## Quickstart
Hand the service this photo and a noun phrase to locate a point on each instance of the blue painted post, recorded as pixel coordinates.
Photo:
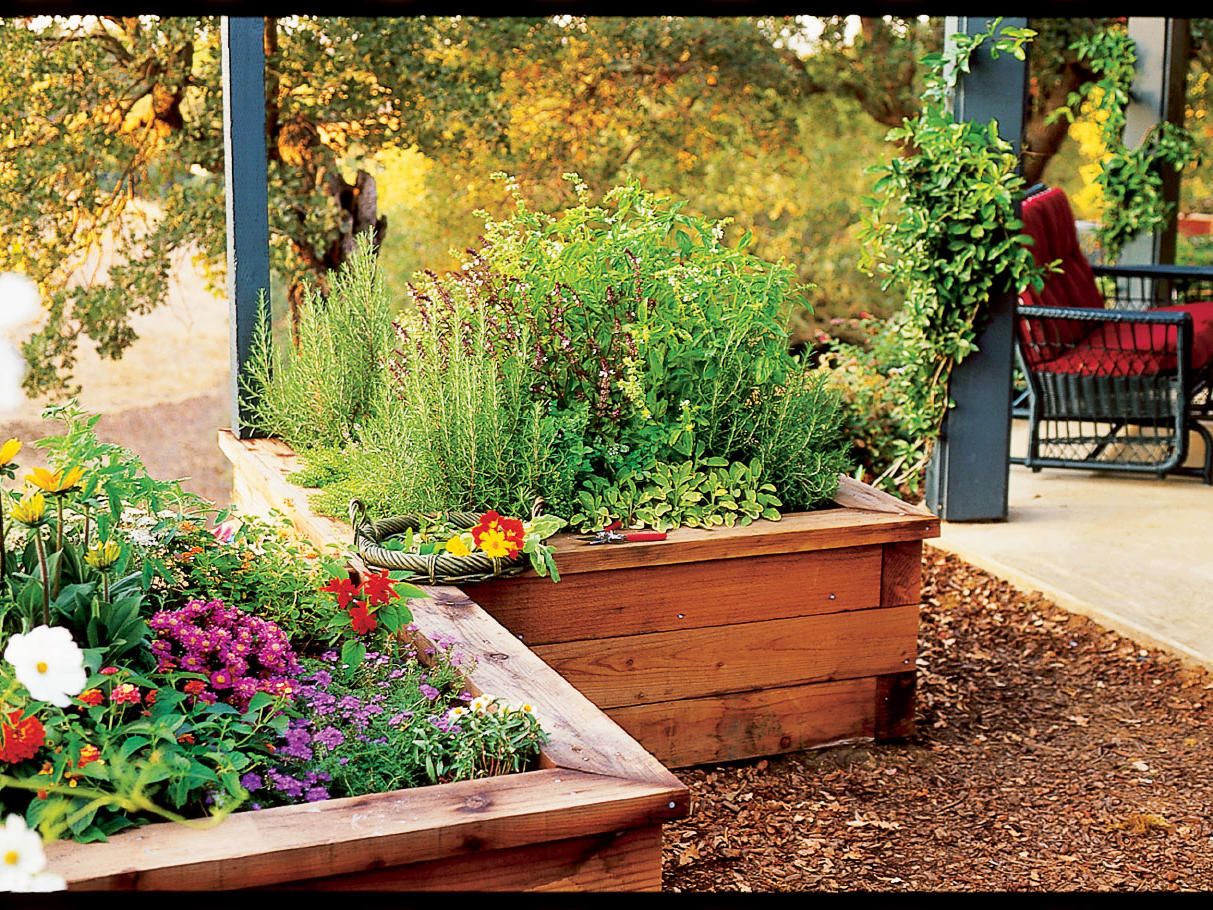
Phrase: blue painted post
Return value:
(967, 475)
(245, 190)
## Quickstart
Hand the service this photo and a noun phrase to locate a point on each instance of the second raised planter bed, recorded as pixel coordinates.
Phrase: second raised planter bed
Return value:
(589, 818)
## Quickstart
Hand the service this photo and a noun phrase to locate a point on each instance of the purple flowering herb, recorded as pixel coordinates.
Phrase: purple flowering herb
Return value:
(251, 781)
(428, 691)
(315, 794)
(330, 737)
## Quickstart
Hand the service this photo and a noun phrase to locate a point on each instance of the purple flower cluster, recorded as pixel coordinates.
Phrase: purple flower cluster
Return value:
(309, 786)
(240, 653)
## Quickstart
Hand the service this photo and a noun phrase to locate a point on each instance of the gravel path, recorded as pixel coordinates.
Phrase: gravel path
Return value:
(1051, 755)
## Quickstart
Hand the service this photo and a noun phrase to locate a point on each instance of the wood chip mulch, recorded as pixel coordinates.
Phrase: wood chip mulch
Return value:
(1050, 755)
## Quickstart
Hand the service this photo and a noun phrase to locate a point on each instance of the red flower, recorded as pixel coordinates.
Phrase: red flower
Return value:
(91, 696)
(194, 686)
(109, 671)
(499, 537)
(150, 698)
(379, 589)
(186, 738)
(127, 693)
(20, 738)
(88, 753)
(362, 620)
(343, 589)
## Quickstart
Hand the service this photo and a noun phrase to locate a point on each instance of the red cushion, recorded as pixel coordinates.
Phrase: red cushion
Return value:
(1049, 221)
(1129, 349)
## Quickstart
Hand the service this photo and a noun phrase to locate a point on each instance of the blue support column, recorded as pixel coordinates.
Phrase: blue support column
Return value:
(245, 188)
(967, 476)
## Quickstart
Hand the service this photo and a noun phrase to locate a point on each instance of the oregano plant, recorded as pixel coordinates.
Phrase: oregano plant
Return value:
(942, 226)
(1130, 180)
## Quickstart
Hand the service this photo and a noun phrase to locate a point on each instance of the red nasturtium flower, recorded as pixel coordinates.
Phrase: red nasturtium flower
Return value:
(499, 537)
(343, 589)
(378, 588)
(20, 738)
(361, 620)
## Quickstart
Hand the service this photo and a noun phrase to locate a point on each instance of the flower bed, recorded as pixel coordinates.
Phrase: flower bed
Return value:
(157, 670)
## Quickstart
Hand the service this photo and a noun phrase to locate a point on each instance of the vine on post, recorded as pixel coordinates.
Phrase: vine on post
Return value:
(1130, 181)
(942, 226)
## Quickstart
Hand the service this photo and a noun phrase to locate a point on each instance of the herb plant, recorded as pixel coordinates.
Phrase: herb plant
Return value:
(578, 359)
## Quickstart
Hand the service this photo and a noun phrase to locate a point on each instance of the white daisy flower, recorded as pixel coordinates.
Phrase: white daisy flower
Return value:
(22, 861)
(48, 663)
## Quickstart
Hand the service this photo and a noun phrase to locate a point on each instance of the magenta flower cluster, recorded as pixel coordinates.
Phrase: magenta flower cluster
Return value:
(239, 653)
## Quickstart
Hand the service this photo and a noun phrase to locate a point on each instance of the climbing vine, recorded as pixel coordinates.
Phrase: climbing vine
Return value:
(942, 226)
(1130, 181)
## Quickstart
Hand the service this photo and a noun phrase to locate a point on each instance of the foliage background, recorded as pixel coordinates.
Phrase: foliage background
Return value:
(111, 129)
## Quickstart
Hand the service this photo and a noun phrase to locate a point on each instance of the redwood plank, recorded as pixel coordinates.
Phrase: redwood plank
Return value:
(663, 666)
(632, 601)
(895, 698)
(901, 574)
(612, 861)
(355, 834)
(749, 724)
(581, 736)
(797, 532)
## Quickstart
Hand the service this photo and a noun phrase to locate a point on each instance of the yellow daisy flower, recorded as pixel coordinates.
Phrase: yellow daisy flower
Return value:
(57, 483)
(31, 510)
(9, 451)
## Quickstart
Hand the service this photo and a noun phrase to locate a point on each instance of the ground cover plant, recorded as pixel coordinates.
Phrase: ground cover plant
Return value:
(613, 361)
(158, 665)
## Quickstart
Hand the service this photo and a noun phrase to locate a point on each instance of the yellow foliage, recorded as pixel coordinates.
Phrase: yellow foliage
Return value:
(1088, 202)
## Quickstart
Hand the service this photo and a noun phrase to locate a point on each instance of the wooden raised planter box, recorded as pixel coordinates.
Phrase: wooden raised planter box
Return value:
(713, 645)
(589, 819)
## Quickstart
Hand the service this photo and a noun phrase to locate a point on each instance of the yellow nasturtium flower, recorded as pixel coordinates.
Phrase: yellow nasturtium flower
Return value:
(457, 547)
(31, 510)
(103, 555)
(9, 451)
(56, 483)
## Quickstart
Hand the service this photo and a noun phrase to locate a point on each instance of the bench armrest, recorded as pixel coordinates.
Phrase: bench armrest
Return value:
(1142, 287)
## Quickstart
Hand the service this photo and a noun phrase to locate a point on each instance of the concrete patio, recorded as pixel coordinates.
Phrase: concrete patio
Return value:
(1130, 551)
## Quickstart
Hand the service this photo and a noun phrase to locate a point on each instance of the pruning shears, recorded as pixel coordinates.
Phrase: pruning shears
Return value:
(612, 534)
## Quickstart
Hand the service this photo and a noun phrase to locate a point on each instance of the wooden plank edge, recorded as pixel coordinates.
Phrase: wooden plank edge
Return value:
(581, 736)
(611, 861)
(589, 741)
(355, 834)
